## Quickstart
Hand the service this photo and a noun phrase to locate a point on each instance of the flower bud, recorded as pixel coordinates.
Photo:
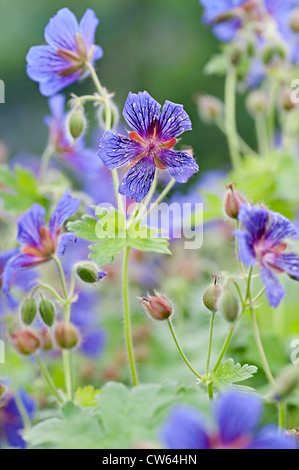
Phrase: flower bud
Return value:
(286, 382)
(295, 21)
(158, 307)
(228, 305)
(76, 123)
(47, 312)
(285, 100)
(25, 341)
(28, 311)
(232, 202)
(114, 116)
(209, 108)
(89, 273)
(211, 295)
(46, 342)
(66, 335)
(257, 102)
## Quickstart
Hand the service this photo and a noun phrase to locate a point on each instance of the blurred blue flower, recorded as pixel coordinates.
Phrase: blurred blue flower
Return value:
(262, 243)
(236, 417)
(72, 152)
(11, 422)
(38, 242)
(24, 281)
(70, 46)
(149, 146)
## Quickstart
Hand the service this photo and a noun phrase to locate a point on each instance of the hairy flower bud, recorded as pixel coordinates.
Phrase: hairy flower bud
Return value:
(89, 273)
(211, 295)
(232, 201)
(209, 108)
(28, 311)
(286, 382)
(25, 341)
(47, 312)
(285, 99)
(228, 305)
(76, 123)
(66, 335)
(46, 342)
(158, 307)
(257, 102)
(295, 21)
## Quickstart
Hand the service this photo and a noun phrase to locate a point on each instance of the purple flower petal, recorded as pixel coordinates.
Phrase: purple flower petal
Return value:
(141, 112)
(56, 105)
(274, 290)
(14, 265)
(43, 62)
(93, 343)
(64, 239)
(61, 30)
(173, 121)
(288, 262)
(270, 438)
(116, 150)
(29, 226)
(185, 429)
(280, 228)
(98, 53)
(246, 251)
(254, 219)
(180, 165)
(237, 415)
(88, 26)
(138, 180)
(57, 83)
(66, 207)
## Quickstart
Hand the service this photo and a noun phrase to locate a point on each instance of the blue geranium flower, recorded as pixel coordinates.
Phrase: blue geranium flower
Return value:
(72, 152)
(70, 46)
(38, 242)
(11, 422)
(149, 146)
(24, 281)
(262, 243)
(236, 416)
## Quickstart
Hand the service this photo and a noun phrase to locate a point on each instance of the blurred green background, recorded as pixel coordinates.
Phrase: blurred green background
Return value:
(156, 45)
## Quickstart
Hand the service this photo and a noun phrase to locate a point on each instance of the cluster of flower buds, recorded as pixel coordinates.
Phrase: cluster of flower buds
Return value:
(211, 295)
(29, 309)
(232, 201)
(158, 306)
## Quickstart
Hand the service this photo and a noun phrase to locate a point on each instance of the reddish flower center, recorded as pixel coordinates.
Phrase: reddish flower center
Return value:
(47, 245)
(241, 442)
(152, 147)
(268, 253)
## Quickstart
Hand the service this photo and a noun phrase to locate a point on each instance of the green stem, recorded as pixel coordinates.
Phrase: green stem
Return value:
(262, 134)
(230, 117)
(48, 288)
(45, 159)
(260, 347)
(23, 411)
(61, 275)
(210, 390)
(224, 348)
(282, 415)
(181, 351)
(48, 378)
(242, 145)
(162, 196)
(128, 332)
(210, 342)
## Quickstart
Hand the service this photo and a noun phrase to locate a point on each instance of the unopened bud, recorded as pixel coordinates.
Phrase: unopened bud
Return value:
(211, 295)
(209, 108)
(89, 273)
(25, 341)
(47, 312)
(158, 307)
(257, 102)
(232, 202)
(295, 21)
(228, 305)
(28, 311)
(66, 335)
(286, 382)
(76, 123)
(114, 116)
(46, 342)
(235, 54)
(285, 101)
(273, 51)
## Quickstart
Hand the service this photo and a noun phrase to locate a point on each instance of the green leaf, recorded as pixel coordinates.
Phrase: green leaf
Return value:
(158, 245)
(229, 373)
(84, 228)
(86, 396)
(217, 65)
(103, 253)
(19, 189)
